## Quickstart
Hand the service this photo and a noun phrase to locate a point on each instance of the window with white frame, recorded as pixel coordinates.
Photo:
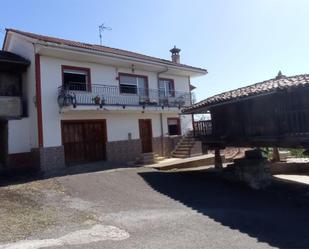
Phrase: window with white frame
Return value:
(77, 79)
(166, 88)
(133, 84)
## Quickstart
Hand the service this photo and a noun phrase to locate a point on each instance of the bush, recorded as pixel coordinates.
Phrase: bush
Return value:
(297, 152)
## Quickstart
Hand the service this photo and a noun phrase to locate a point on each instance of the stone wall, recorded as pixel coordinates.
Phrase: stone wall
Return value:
(196, 150)
(157, 145)
(252, 170)
(123, 151)
(130, 150)
(51, 158)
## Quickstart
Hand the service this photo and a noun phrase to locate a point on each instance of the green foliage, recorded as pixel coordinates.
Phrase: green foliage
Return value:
(297, 152)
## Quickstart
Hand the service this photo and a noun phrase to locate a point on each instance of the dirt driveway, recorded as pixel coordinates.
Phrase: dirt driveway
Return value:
(144, 208)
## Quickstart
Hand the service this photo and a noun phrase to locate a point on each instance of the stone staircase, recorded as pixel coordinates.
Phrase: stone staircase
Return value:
(149, 158)
(188, 146)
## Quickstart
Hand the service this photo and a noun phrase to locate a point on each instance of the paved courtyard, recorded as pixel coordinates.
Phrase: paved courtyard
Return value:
(145, 208)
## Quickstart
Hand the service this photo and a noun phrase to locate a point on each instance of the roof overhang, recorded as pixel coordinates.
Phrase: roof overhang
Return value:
(79, 54)
(83, 54)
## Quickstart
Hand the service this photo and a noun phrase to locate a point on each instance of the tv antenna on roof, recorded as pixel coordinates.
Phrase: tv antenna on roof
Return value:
(102, 27)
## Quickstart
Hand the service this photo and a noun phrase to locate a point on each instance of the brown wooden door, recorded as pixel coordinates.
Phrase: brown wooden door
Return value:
(84, 141)
(145, 131)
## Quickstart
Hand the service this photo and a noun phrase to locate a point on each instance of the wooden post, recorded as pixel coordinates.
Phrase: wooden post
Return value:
(193, 125)
(218, 159)
(276, 155)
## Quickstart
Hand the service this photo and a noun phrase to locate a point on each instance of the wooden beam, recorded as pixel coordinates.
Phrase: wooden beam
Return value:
(218, 159)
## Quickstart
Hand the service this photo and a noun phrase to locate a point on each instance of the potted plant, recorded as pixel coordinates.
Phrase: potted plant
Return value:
(97, 100)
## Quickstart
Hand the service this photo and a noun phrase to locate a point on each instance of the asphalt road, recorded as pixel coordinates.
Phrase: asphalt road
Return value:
(193, 210)
(187, 210)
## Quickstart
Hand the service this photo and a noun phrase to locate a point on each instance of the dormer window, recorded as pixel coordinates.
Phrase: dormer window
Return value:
(76, 78)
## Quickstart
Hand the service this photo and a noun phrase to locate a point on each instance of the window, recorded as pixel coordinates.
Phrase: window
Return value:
(77, 79)
(173, 126)
(133, 84)
(166, 88)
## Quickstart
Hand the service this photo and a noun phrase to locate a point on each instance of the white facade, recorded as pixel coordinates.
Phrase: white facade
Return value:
(122, 124)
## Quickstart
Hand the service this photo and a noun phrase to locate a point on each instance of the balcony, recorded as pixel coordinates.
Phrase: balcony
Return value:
(75, 94)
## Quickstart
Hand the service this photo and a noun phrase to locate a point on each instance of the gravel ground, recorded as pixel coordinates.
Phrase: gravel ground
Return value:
(144, 208)
(37, 209)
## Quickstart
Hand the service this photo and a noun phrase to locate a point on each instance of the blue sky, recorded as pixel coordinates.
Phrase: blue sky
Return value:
(239, 41)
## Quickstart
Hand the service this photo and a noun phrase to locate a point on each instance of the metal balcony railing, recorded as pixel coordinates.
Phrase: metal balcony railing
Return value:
(123, 95)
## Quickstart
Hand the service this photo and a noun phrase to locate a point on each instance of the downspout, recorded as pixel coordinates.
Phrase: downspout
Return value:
(192, 115)
(161, 115)
(38, 93)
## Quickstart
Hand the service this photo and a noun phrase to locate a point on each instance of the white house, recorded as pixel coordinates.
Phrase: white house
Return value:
(89, 102)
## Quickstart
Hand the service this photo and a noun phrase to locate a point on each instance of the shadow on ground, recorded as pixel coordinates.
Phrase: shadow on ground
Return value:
(17, 177)
(278, 216)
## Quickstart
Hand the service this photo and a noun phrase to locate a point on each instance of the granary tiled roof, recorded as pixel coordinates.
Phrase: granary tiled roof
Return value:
(279, 83)
(100, 48)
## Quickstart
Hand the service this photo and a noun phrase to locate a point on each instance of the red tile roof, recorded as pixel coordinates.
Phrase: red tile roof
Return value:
(100, 48)
(279, 83)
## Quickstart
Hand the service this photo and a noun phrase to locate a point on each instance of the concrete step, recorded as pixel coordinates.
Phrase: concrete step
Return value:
(187, 163)
(149, 162)
(187, 141)
(184, 146)
(148, 156)
(182, 151)
(181, 155)
(159, 158)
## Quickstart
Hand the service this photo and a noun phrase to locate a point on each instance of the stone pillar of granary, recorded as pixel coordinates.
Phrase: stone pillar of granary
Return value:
(276, 155)
(218, 159)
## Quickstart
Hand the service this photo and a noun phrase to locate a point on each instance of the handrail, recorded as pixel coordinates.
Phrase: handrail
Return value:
(84, 94)
(202, 128)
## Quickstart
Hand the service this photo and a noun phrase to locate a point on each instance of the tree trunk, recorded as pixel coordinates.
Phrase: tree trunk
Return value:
(276, 155)
(218, 159)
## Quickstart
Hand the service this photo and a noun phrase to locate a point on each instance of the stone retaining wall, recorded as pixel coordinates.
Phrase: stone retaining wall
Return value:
(252, 170)
(123, 151)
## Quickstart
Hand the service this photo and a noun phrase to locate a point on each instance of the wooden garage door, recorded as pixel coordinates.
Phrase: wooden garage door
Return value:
(84, 141)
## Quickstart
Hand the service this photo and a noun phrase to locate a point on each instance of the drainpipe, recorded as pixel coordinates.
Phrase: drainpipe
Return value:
(161, 114)
(192, 115)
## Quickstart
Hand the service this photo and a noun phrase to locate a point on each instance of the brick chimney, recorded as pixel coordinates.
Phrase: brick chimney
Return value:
(175, 54)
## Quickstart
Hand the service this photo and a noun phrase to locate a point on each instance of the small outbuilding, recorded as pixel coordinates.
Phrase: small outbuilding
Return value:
(272, 113)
